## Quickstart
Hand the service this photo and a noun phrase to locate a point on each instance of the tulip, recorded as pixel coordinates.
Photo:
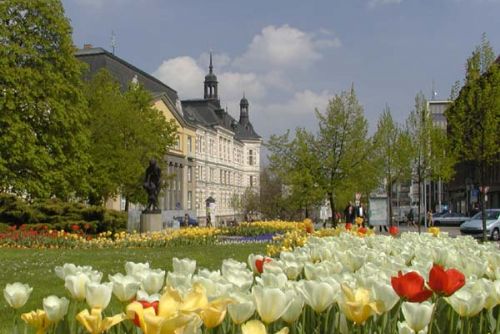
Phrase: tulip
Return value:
(179, 281)
(292, 269)
(410, 286)
(257, 327)
(270, 303)
(357, 305)
(184, 266)
(445, 282)
(404, 328)
(318, 295)
(393, 230)
(98, 295)
(143, 295)
(37, 319)
(95, 324)
(230, 265)
(272, 280)
(17, 294)
(242, 307)
(132, 268)
(257, 262)
(153, 280)
(348, 226)
(468, 301)
(417, 315)
(124, 287)
(384, 295)
(434, 231)
(55, 307)
(214, 312)
(241, 279)
(76, 285)
(294, 310)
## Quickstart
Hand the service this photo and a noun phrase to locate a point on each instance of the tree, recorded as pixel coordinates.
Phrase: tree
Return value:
(393, 149)
(43, 141)
(126, 133)
(341, 147)
(272, 203)
(295, 163)
(474, 117)
(430, 158)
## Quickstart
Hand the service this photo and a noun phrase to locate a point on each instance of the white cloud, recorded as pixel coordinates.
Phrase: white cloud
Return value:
(233, 84)
(302, 102)
(182, 74)
(283, 47)
(375, 3)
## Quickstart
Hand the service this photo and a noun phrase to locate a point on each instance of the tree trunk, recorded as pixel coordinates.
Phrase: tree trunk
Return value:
(389, 198)
(126, 204)
(332, 208)
(419, 200)
(483, 199)
(307, 211)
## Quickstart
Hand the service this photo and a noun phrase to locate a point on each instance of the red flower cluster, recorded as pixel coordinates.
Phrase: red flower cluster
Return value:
(348, 226)
(411, 287)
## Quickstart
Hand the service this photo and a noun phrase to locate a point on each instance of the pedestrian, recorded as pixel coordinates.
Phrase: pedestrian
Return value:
(349, 213)
(430, 222)
(411, 218)
(360, 212)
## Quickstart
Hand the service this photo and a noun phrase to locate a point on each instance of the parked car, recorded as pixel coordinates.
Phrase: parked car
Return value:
(474, 226)
(191, 221)
(450, 218)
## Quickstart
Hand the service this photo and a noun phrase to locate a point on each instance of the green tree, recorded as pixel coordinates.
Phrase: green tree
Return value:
(342, 148)
(294, 162)
(393, 149)
(431, 160)
(126, 133)
(474, 117)
(43, 141)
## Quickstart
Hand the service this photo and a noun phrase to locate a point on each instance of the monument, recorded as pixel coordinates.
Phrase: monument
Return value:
(151, 215)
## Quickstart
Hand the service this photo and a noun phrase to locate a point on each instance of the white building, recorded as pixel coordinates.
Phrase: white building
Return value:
(227, 153)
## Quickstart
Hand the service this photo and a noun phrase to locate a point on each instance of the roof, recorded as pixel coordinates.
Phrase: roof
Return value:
(124, 72)
(208, 113)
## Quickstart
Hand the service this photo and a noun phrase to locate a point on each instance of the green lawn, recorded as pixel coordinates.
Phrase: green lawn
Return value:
(36, 267)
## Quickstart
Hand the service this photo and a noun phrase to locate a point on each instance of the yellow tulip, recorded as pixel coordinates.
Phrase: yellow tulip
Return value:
(434, 230)
(257, 327)
(37, 319)
(356, 305)
(95, 324)
(214, 313)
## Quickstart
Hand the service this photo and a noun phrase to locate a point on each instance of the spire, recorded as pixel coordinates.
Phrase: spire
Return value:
(211, 67)
(244, 110)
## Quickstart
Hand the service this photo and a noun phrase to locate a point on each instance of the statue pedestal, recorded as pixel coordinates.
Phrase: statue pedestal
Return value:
(151, 222)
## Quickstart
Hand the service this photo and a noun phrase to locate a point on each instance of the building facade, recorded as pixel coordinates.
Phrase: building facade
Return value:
(227, 153)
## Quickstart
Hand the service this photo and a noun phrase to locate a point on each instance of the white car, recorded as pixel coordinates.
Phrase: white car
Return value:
(474, 226)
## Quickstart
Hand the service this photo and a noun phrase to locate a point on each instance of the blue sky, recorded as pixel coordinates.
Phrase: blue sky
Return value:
(289, 56)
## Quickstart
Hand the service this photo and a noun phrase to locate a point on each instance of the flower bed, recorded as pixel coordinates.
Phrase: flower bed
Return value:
(343, 283)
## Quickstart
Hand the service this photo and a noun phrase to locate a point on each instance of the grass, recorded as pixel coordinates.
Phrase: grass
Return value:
(36, 267)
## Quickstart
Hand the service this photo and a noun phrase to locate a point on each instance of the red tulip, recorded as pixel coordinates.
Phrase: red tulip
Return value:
(259, 263)
(348, 226)
(146, 305)
(445, 282)
(362, 230)
(410, 286)
(393, 230)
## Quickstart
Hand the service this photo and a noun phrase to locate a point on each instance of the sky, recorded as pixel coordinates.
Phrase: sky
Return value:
(290, 57)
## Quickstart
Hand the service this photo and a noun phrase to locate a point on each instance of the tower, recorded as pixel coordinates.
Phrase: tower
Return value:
(244, 110)
(210, 83)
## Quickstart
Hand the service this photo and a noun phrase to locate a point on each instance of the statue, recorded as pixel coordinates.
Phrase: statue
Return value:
(152, 186)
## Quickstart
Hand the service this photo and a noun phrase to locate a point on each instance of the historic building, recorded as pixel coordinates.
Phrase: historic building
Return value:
(216, 156)
(177, 197)
(227, 152)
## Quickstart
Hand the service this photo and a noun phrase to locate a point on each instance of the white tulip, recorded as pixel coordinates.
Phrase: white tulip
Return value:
(124, 287)
(272, 280)
(144, 296)
(71, 269)
(76, 285)
(315, 271)
(184, 266)
(55, 307)
(467, 301)
(242, 308)
(98, 295)
(230, 265)
(132, 268)
(292, 269)
(318, 295)
(384, 294)
(213, 289)
(417, 315)
(153, 280)
(294, 310)
(212, 275)
(270, 303)
(17, 294)
(404, 328)
(273, 267)
(65, 270)
(241, 279)
(179, 281)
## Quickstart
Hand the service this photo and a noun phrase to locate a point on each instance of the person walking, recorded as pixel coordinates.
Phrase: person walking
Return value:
(349, 213)
(411, 219)
(430, 222)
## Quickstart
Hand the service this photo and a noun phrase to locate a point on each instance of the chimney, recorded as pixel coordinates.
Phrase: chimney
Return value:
(87, 46)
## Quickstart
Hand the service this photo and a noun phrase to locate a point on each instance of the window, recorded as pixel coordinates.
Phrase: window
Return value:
(190, 174)
(221, 179)
(250, 157)
(190, 144)
(251, 181)
(190, 200)
(177, 144)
